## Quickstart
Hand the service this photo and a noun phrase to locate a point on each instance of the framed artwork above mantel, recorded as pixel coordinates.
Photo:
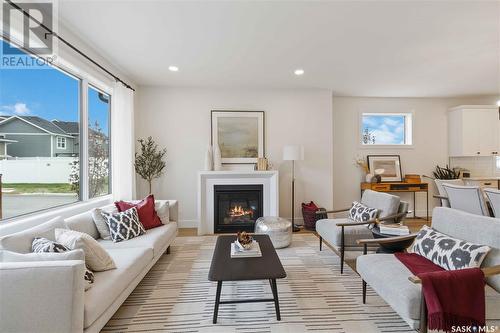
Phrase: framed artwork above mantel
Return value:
(239, 135)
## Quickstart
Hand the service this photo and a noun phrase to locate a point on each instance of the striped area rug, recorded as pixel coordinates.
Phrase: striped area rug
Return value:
(176, 296)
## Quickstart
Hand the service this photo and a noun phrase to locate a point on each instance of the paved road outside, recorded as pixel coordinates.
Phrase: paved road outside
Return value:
(15, 204)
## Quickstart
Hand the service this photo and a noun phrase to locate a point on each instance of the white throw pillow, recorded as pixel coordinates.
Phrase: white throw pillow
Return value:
(96, 257)
(163, 210)
(100, 223)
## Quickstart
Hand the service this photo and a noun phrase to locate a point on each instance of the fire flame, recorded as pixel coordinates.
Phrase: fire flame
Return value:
(240, 211)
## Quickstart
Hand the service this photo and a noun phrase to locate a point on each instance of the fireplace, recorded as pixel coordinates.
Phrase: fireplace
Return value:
(237, 207)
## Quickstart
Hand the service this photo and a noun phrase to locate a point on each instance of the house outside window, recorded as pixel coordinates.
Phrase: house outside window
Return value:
(386, 129)
(61, 142)
(41, 139)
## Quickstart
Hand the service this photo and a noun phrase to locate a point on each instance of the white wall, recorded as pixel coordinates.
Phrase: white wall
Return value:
(429, 137)
(179, 119)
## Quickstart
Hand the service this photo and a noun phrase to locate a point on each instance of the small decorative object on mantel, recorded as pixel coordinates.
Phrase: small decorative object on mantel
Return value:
(149, 164)
(217, 158)
(209, 159)
(387, 166)
(262, 164)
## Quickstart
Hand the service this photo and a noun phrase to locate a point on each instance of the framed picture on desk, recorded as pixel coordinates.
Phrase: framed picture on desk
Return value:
(387, 166)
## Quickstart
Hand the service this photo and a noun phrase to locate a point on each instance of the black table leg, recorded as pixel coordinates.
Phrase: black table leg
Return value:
(217, 301)
(274, 288)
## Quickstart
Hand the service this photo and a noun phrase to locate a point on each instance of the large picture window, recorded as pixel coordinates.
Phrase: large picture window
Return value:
(41, 141)
(98, 143)
(385, 129)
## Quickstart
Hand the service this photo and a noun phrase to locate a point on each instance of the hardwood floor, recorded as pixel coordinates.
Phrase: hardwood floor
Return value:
(413, 224)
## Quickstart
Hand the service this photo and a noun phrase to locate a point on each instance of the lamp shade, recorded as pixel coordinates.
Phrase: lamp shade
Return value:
(293, 153)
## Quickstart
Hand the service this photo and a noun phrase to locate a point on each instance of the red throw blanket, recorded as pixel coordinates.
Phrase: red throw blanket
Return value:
(453, 298)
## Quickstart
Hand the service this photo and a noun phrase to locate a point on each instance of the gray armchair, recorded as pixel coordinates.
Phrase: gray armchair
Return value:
(469, 199)
(493, 196)
(341, 234)
(392, 281)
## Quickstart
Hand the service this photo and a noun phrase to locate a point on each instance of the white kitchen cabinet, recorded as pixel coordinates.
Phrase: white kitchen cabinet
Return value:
(474, 130)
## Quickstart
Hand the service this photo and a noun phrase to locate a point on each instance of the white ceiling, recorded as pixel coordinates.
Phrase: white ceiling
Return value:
(397, 49)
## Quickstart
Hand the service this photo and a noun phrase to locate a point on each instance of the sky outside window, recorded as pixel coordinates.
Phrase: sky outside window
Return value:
(384, 129)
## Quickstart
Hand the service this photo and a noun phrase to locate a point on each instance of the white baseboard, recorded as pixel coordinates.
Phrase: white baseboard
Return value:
(187, 224)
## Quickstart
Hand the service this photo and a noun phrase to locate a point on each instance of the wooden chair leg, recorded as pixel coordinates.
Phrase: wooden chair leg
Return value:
(320, 243)
(364, 292)
(342, 250)
(423, 315)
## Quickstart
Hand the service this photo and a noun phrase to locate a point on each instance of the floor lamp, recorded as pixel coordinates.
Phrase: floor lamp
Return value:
(293, 153)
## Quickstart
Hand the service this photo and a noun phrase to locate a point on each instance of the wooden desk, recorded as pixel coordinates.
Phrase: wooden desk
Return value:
(401, 187)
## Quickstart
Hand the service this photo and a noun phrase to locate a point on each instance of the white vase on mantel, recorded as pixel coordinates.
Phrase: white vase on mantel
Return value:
(369, 177)
(217, 158)
(209, 159)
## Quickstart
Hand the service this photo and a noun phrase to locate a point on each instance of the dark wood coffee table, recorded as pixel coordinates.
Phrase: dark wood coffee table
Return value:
(225, 268)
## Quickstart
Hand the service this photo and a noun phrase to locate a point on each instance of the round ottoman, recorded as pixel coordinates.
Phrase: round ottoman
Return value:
(277, 228)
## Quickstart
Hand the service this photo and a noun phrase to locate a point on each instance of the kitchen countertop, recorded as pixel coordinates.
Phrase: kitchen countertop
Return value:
(482, 178)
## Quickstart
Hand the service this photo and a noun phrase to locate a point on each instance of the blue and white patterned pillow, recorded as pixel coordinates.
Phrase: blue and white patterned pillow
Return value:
(362, 213)
(124, 225)
(448, 252)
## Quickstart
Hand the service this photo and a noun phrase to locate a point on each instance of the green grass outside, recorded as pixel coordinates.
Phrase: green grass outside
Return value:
(37, 188)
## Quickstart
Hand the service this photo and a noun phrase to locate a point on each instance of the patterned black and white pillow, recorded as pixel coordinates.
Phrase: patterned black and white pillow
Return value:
(448, 252)
(124, 225)
(40, 244)
(44, 245)
(362, 213)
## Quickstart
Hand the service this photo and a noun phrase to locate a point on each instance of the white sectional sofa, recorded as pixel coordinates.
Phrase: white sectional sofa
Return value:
(49, 296)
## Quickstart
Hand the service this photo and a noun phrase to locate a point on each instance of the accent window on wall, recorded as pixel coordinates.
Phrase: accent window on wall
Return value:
(386, 129)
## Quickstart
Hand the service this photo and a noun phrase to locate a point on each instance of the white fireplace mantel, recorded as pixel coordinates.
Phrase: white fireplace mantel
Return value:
(207, 180)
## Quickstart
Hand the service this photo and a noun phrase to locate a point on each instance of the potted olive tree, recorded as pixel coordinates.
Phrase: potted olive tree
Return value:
(149, 163)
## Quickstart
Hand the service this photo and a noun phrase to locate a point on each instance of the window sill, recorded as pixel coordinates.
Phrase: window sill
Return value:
(22, 222)
(387, 147)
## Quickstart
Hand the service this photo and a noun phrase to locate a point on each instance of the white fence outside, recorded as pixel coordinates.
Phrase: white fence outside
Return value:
(44, 170)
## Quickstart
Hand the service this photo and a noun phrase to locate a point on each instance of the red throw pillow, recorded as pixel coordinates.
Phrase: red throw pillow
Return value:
(146, 210)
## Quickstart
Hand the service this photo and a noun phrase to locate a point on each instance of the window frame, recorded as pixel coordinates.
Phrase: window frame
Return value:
(61, 145)
(408, 132)
(85, 80)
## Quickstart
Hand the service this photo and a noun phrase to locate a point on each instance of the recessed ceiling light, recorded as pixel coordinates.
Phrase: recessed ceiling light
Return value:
(299, 71)
(173, 68)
